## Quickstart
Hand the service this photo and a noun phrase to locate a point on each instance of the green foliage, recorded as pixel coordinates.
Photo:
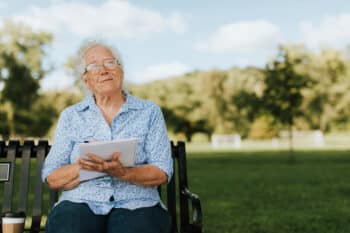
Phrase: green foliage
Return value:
(263, 127)
(4, 126)
(203, 101)
(301, 88)
(19, 81)
(24, 46)
(282, 95)
(327, 99)
(181, 102)
(58, 100)
(21, 54)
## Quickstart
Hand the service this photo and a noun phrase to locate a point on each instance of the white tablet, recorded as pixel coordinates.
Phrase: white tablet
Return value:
(105, 150)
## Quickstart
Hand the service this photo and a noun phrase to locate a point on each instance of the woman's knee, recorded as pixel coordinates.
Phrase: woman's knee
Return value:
(149, 219)
(69, 217)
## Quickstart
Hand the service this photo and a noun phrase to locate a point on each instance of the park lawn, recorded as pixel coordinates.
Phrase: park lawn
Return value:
(258, 192)
(261, 192)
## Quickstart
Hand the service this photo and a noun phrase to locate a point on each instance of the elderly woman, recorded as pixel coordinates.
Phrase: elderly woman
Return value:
(127, 199)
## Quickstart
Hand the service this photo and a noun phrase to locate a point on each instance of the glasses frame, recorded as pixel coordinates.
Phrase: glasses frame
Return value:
(118, 64)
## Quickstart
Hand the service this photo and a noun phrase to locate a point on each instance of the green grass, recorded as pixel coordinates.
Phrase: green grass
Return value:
(257, 192)
(261, 192)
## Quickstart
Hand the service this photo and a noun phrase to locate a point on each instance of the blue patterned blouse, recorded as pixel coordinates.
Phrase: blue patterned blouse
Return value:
(84, 122)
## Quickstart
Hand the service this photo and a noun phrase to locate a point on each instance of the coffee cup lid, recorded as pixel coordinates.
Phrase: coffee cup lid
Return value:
(14, 215)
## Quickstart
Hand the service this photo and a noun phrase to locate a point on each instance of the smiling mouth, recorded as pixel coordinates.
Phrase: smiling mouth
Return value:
(105, 80)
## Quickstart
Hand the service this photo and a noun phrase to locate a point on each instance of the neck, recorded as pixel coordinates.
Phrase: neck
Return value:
(114, 100)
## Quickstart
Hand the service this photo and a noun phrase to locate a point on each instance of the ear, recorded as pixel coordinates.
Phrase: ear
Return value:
(85, 80)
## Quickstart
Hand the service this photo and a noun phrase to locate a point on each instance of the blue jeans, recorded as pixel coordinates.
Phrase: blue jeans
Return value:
(69, 217)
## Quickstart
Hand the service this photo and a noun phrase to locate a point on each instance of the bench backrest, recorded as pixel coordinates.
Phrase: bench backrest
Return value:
(25, 186)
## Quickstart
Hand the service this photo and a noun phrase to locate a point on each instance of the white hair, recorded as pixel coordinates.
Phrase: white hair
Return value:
(87, 45)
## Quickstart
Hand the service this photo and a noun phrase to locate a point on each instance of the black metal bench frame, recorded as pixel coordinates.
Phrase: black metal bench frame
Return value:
(14, 150)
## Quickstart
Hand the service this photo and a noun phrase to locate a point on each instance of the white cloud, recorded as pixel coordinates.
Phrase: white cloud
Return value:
(159, 71)
(112, 19)
(57, 80)
(244, 37)
(177, 23)
(332, 31)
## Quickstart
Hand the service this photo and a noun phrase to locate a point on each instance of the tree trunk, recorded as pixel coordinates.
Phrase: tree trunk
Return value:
(188, 136)
(290, 139)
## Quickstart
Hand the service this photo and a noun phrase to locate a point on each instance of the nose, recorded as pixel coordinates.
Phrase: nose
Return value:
(103, 70)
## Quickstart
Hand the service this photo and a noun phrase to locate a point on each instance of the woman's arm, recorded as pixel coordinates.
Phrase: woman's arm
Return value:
(64, 178)
(57, 170)
(145, 175)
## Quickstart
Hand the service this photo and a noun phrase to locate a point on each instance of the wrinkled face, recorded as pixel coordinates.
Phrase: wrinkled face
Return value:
(104, 75)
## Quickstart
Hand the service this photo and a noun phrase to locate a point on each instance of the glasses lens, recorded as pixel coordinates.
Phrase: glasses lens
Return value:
(92, 68)
(110, 64)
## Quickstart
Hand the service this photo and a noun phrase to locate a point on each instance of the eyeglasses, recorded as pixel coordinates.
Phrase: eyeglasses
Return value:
(109, 64)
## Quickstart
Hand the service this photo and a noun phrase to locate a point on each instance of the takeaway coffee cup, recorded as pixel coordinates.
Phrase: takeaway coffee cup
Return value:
(13, 222)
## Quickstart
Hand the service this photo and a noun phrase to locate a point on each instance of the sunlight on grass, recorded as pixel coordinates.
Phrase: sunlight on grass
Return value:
(250, 191)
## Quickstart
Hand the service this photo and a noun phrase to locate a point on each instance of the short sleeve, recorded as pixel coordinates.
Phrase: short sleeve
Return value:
(60, 151)
(157, 143)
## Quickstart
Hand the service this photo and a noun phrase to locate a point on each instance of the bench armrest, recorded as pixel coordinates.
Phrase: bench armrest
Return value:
(196, 209)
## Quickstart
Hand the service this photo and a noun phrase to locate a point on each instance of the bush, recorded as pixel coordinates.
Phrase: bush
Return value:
(263, 128)
(200, 138)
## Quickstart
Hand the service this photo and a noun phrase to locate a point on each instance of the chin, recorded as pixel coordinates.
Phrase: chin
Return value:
(109, 90)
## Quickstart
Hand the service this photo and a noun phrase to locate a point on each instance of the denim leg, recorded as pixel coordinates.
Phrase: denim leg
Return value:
(69, 217)
(143, 220)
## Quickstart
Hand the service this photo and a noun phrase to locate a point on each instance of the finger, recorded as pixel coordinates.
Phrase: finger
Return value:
(80, 162)
(116, 156)
(105, 166)
(88, 165)
(87, 162)
(110, 165)
(97, 168)
(95, 158)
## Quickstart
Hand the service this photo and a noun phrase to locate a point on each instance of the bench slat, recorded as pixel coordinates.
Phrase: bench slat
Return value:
(8, 186)
(2, 149)
(38, 191)
(24, 176)
(182, 170)
(171, 193)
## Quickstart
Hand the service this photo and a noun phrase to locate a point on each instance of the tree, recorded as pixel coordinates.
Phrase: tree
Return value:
(21, 58)
(4, 126)
(180, 104)
(328, 96)
(282, 95)
(179, 124)
(311, 86)
(246, 91)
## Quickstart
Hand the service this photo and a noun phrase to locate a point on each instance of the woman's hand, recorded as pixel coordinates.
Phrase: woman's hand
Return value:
(112, 167)
(145, 175)
(65, 177)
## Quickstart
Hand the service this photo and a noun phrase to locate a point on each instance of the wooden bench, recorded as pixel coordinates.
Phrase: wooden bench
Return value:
(23, 190)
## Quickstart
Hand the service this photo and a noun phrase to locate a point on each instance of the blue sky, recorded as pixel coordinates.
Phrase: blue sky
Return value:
(159, 39)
